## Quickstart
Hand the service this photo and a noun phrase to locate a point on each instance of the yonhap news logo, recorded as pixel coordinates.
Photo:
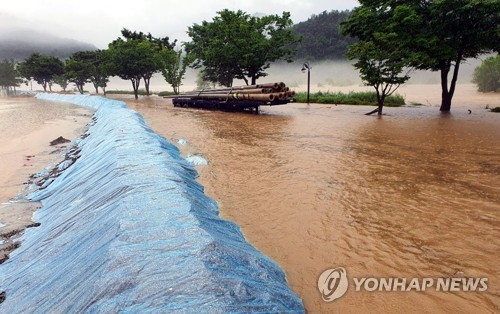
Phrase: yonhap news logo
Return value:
(333, 284)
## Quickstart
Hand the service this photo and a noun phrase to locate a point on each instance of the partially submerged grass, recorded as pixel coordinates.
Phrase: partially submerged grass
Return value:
(141, 92)
(351, 98)
(126, 92)
(166, 93)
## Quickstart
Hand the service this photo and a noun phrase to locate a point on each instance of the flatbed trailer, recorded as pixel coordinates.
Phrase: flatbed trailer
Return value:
(236, 98)
(225, 105)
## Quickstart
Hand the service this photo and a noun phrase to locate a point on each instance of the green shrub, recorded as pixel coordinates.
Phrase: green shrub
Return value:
(496, 109)
(166, 93)
(487, 75)
(127, 92)
(352, 98)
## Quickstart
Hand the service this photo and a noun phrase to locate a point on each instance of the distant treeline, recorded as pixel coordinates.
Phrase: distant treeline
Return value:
(322, 39)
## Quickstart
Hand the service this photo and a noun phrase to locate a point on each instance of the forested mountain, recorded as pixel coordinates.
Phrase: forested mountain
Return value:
(19, 43)
(322, 39)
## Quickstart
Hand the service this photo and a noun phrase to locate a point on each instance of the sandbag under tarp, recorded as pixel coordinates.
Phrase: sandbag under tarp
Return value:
(127, 228)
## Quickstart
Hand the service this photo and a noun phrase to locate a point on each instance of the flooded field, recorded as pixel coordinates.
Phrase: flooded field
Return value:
(413, 194)
(27, 126)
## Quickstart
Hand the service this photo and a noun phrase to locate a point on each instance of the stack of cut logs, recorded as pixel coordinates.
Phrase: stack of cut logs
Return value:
(269, 93)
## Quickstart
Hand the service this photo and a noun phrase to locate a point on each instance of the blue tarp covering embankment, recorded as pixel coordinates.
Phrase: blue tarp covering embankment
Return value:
(127, 228)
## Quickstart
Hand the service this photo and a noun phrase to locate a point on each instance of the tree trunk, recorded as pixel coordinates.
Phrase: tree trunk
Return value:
(104, 90)
(146, 84)
(447, 94)
(96, 88)
(380, 107)
(371, 112)
(135, 85)
(378, 110)
(446, 102)
(254, 80)
(44, 86)
(380, 100)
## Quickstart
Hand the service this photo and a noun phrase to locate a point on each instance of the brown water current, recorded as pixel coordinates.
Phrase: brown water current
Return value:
(413, 194)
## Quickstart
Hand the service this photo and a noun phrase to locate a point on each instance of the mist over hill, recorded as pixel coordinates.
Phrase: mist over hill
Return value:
(21, 43)
(321, 37)
(18, 41)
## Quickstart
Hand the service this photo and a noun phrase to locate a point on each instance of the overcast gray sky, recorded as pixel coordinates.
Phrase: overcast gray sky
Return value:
(100, 21)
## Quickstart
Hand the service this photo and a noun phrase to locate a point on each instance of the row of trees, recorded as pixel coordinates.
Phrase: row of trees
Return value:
(233, 46)
(392, 38)
(135, 57)
(396, 36)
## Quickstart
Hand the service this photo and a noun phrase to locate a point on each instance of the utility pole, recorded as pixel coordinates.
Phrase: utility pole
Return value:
(308, 67)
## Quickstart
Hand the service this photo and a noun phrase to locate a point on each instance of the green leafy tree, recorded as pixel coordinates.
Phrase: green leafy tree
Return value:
(79, 69)
(158, 46)
(90, 66)
(99, 76)
(174, 66)
(42, 69)
(136, 57)
(236, 45)
(9, 76)
(450, 31)
(130, 60)
(380, 68)
(24, 73)
(380, 63)
(61, 80)
(487, 75)
(439, 35)
(202, 83)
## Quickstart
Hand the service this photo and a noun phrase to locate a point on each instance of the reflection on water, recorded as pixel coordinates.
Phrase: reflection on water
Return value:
(414, 194)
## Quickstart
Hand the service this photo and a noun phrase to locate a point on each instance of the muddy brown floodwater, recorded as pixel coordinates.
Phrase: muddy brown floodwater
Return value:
(414, 194)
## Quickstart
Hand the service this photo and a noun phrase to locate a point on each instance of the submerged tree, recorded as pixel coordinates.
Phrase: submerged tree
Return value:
(437, 35)
(173, 67)
(449, 32)
(42, 69)
(380, 69)
(381, 63)
(236, 45)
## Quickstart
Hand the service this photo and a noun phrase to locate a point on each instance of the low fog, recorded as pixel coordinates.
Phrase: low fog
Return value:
(325, 76)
